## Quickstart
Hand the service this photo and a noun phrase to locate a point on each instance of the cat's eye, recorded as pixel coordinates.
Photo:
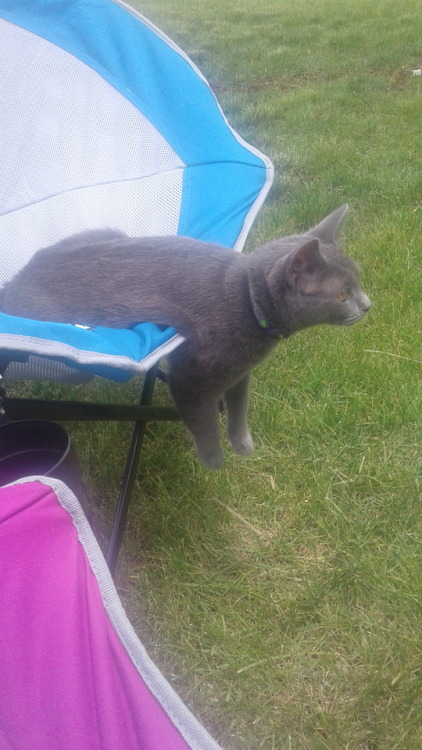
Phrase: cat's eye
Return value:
(342, 296)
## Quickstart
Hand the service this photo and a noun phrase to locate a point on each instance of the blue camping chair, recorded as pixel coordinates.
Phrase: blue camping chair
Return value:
(105, 122)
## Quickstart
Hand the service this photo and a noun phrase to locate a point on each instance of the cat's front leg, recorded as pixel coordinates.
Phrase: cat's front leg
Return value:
(199, 412)
(237, 400)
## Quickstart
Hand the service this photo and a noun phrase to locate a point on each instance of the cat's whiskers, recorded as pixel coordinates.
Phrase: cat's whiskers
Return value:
(353, 319)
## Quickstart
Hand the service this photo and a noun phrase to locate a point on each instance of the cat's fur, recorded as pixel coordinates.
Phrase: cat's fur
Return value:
(232, 308)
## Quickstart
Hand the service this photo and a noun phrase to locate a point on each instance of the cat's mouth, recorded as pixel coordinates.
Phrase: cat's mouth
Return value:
(353, 319)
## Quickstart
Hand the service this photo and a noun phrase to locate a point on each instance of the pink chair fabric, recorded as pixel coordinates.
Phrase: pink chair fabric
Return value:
(73, 674)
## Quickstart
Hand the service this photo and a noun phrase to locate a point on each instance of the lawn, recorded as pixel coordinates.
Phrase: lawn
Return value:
(282, 595)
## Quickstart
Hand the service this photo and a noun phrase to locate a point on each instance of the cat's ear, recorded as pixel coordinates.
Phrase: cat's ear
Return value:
(328, 229)
(306, 260)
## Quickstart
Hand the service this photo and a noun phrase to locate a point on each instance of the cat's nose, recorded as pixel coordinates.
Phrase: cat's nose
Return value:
(366, 303)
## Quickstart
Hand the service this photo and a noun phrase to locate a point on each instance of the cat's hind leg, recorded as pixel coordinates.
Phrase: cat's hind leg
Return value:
(237, 400)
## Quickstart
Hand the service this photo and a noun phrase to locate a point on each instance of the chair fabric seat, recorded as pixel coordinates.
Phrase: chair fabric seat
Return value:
(115, 354)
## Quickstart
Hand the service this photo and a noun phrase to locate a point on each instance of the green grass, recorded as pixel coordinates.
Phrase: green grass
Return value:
(282, 595)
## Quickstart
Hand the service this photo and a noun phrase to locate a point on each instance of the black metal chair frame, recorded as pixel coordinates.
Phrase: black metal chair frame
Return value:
(59, 411)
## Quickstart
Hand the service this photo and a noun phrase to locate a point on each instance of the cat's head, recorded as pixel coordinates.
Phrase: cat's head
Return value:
(314, 282)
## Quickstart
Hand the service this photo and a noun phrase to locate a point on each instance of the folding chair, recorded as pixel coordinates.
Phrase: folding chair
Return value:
(74, 675)
(106, 123)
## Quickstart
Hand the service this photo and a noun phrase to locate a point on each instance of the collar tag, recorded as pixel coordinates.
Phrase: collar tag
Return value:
(264, 325)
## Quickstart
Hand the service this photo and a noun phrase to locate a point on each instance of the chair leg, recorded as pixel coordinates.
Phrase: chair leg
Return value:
(3, 417)
(129, 475)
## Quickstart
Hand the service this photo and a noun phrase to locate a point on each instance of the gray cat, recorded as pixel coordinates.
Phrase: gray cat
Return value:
(232, 308)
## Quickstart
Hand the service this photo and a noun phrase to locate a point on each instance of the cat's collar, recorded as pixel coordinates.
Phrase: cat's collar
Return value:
(266, 327)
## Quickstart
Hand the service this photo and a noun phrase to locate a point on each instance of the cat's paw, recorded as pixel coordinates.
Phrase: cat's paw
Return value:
(211, 459)
(242, 445)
